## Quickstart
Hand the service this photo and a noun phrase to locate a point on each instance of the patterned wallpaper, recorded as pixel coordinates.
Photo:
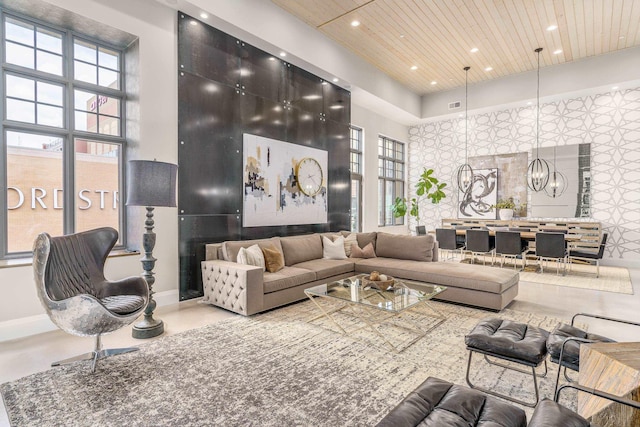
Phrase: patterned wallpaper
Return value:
(609, 121)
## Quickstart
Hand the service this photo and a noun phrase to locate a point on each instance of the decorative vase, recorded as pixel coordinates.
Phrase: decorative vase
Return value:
(505, 214)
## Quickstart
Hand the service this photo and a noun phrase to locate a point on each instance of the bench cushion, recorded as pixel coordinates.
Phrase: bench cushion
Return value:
(286, 278)
(326, 267)
(440, 403)
(549, 413)
(466, 276)
(512, 340)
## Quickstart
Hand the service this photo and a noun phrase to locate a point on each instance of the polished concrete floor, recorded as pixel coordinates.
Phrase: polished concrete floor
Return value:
(33, 354)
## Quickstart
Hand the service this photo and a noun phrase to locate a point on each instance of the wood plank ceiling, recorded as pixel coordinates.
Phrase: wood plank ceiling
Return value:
(437, 36)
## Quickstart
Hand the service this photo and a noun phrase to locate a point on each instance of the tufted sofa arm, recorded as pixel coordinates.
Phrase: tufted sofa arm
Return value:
(235, 287)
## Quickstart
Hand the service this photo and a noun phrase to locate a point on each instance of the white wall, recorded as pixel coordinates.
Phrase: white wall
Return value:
(157, 128)
(373, 125)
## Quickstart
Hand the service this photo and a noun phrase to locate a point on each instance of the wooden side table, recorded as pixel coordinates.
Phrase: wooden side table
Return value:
(613, 368)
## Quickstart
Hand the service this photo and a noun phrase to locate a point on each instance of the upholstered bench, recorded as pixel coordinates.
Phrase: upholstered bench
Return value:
(439, 403)
(510, 341)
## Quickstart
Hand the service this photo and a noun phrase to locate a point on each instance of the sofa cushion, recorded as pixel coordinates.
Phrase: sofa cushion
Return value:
(466, 276)
(252, 256)
(298, 249)
(365, 238)
(273, 259)
(418, 248)
(288, 277)
(327, 267)
(230, 249)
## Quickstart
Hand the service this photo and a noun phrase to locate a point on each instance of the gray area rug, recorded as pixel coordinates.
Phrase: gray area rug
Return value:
(272, 369)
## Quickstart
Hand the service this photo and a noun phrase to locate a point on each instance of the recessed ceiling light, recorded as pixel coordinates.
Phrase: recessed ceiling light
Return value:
(283, 54)
(335, 80)
(355, 23)
(192, 22)
(488, 68)
(434, 83)
(204, 15)
(529, 103)
(459, 115)
(557, 51)
(271, 58)
(552, 27)
(401, 36)
(414, 67)
(621, 37)
(615, 88)
(474, 50)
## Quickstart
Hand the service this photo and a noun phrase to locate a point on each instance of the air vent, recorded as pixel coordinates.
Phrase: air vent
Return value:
(454, 105)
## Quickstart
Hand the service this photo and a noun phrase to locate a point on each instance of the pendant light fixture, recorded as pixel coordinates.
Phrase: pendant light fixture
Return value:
(538, 171)
(557, 181)
(465, 171)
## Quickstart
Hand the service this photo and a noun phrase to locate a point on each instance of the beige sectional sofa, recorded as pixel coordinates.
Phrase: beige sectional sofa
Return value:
(247, 290)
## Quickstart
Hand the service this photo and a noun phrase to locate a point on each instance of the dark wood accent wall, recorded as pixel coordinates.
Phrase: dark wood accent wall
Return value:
(227, 87)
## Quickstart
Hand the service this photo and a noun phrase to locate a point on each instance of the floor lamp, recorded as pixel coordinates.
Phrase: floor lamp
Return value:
(150, 184)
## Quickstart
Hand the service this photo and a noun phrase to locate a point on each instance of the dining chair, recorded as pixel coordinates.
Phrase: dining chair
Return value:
(478, 242)
(590, 256)
(551, 246)
(509, 244)
(447, 241)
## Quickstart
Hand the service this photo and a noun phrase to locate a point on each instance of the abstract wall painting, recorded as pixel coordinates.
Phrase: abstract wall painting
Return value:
(477, 202)
(270, 185)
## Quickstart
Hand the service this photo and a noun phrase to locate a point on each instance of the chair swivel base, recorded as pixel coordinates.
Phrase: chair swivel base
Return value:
(94, 356)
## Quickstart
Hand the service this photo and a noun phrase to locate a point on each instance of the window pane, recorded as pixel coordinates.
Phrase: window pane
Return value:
(97, 185)
(108, 58)
(19, 31)
(84, 51)
(49, 40)
(388, 148)
(85, 72)
(19, 87)
(21, 111)
(399, 171)
(34, 181)
(86, 121)
(50, 94)
(355, 205)
(108, 78)
(50, 116)
(84, 101)
(388, 199)
(381, 202)
(380, 167)
(399, 192)
(19, 55)
(108, 105)
(399, 151)
(49, 62)
(380, 147)
(109, 125)
(388, 165)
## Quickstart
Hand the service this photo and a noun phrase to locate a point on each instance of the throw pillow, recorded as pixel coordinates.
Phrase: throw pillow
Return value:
(251, 256)
(349, 240)
(366, 252)
(273, 259)
(333, 250)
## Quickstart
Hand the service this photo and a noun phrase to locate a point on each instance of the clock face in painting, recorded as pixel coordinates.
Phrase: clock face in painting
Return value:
(309, 176)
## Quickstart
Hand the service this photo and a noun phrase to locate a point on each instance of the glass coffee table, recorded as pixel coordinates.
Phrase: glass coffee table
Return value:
(375, 308)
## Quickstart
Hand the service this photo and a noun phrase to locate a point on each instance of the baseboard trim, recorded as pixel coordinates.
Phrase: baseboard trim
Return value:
(40, 323)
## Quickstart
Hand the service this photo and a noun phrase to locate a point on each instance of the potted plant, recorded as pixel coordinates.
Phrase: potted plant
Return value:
(428, 187)
(505, 208)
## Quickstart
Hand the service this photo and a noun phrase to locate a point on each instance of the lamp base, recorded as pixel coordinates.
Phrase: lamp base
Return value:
(147, 329)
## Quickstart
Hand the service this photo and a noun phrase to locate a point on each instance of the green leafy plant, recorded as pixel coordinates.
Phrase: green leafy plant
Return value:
(505, 204)
(428, 187)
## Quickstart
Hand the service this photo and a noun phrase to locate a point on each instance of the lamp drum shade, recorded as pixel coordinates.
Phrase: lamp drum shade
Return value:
(151, 183)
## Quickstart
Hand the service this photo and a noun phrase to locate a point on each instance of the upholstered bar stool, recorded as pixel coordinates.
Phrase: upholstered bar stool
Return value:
(511, 341)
